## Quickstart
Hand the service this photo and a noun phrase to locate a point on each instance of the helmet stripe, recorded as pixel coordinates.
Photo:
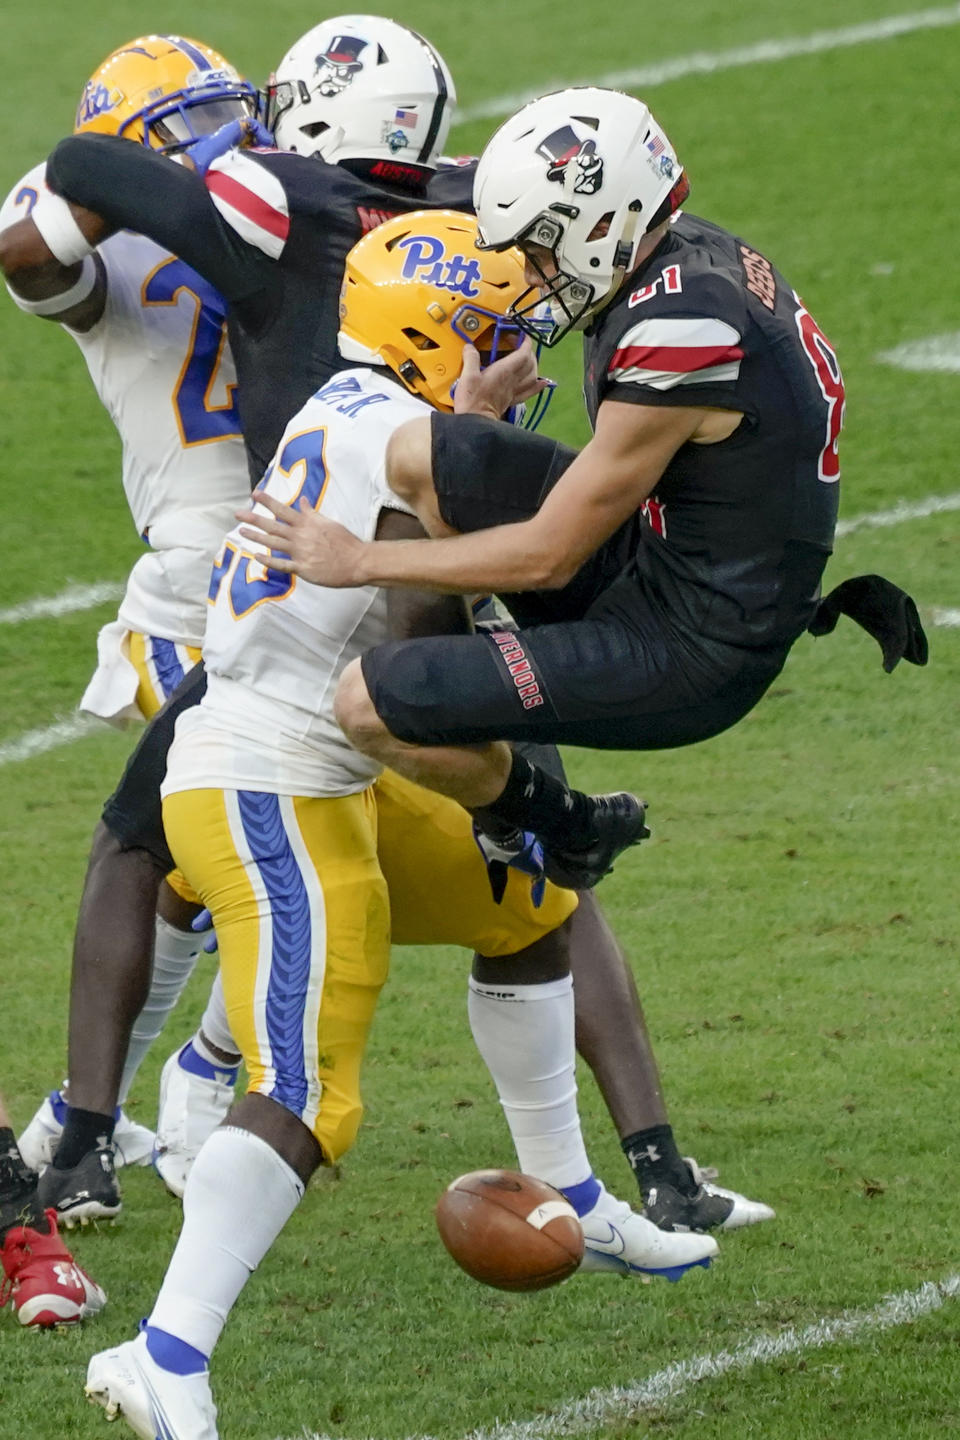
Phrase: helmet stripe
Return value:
(439, 105)
(191, 51)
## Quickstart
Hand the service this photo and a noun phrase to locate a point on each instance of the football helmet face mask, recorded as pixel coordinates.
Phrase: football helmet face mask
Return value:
(361, 87)
(582, 175)
(416, 290)
(165, 92)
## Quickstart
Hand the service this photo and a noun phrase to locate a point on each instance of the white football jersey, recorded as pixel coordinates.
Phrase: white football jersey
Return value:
(160, 363)
(276, 645)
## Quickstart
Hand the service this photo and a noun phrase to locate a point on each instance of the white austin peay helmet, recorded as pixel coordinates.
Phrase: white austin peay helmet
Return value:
(361, 87)
(585, 173)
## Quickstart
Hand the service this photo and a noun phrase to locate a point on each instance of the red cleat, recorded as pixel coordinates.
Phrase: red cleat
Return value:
(43, 1281)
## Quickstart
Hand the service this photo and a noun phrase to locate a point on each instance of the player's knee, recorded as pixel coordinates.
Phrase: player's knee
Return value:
(410, 463)
(354, 710)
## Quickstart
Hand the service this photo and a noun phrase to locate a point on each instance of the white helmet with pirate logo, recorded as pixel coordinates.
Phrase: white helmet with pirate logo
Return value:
(584, 174)
(361, 87)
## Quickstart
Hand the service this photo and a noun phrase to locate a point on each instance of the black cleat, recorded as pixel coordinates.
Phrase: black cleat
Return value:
(669, 1209)
(618, 823)
(88, 1191)
(701, 1204)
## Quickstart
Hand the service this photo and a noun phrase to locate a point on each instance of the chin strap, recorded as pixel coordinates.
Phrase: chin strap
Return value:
(885, 611)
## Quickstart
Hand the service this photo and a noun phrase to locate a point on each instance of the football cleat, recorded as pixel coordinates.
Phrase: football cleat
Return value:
(618, 1240)
(618, 821)
(43, 1281)
(154, 1402)
(38, 1143)
(516, 850)
(191, 1108)
(739, 1210)
(88, 1191)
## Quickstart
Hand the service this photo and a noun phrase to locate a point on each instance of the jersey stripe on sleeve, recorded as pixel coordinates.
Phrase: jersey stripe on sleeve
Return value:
(666, 353)
(251, 200)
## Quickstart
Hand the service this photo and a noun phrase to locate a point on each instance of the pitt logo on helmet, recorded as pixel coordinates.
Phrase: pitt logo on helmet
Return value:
(427, 260)
(96, 100)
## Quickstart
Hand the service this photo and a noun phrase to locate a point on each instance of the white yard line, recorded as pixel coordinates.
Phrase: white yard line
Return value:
(74, 598)
(939, 354)
(36, 742)
(705, 62)
(901, 512)
(619, 1402)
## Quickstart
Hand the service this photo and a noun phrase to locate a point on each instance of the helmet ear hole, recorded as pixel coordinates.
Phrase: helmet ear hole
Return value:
(421, 341)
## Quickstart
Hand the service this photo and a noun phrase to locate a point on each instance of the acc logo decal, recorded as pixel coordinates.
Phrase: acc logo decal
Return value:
(338, 65)
(563, 148)
(427, 260)
(395, 139)
(96, 100)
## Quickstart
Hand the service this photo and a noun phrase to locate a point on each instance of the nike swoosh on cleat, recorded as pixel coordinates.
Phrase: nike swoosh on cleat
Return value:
(613, 1246)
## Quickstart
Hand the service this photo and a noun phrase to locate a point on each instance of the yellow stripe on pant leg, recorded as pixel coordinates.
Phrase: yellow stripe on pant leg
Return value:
(439, 891)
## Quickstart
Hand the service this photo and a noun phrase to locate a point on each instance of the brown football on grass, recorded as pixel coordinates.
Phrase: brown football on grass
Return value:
(509, 1230)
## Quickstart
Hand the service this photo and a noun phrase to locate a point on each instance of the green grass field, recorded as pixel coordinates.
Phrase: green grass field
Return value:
(792, 924)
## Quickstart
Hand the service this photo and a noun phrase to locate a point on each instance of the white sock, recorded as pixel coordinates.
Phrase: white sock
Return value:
(525, 1034)
(239, 1196)
(174, 958)
(215, 1027)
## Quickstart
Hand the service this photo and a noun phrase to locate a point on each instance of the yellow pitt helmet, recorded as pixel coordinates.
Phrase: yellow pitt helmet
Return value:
(416, 290)
(164, 91)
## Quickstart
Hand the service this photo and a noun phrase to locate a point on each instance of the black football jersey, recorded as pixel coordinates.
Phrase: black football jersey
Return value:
(271, 231)
(737, 533)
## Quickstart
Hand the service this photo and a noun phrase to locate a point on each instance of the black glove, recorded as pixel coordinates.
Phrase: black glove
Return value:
(885, 611)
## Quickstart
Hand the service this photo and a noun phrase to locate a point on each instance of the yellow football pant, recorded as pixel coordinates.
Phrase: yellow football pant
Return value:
(298, 892)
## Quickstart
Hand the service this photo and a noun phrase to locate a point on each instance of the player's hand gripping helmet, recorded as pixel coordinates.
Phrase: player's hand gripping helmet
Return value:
(583, 174)
(164, 91)
(416, 290)
(360, 87)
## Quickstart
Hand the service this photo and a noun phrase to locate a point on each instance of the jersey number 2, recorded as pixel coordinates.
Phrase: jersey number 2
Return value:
(200, 421)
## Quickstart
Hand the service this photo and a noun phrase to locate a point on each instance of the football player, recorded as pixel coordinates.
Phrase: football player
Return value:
(273, 818)
(153, 335)
(282, 274)
(271, 232)
(41, 1279)
(661, 575)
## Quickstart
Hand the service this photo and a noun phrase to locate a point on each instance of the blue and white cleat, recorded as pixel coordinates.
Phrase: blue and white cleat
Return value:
(133, 1143)
(619, 1241)
(520, 850)
(156, 1403)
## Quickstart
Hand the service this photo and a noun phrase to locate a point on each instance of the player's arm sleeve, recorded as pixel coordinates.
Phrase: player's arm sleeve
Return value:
(677, 360)
(412, 613)
(452, 186)
(134, 188)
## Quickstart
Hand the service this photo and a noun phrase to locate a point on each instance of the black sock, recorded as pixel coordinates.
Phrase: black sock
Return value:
(83, 1131)
(534, 800)
(18, 1189)
(655, 1159)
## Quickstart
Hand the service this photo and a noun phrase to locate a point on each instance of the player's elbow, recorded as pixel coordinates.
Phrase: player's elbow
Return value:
(550, 570)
